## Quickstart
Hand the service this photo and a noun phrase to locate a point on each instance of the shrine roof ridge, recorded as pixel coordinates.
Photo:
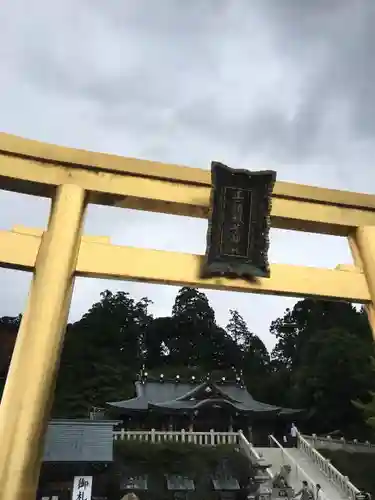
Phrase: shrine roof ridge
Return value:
(193, 377)
(174, 396)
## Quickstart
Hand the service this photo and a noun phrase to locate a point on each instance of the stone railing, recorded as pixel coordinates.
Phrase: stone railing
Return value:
(251, 453)
(330, 443)
(210, 438)
(324, 465)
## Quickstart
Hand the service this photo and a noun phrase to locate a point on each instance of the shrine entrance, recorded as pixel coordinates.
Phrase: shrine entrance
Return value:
(73, 179)
(213, 417)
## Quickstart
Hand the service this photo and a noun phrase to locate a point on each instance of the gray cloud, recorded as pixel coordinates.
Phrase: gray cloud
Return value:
(287, 85)
(332, 44)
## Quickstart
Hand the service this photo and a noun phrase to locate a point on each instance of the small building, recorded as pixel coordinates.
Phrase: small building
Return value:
(79, 441)
(199, 406)
(76, 447)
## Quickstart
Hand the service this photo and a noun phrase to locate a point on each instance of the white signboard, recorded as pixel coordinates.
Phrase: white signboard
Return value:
(82, 488)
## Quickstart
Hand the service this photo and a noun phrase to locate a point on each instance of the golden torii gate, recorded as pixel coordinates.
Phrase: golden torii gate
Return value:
(74, 178)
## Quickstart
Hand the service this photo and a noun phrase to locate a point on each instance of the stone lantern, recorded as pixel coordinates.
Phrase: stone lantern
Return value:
(262, 480)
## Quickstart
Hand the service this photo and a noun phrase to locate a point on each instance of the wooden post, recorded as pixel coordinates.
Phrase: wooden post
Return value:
(362, 246)
(34, 366)
(11, 399)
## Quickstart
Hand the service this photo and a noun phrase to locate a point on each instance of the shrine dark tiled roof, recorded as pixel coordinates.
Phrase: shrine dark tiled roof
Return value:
(180, 396)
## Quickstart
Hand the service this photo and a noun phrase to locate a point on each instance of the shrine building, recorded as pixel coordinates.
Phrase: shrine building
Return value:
(200, 405)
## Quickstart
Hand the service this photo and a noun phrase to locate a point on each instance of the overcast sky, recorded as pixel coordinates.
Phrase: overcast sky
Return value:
(282, 84)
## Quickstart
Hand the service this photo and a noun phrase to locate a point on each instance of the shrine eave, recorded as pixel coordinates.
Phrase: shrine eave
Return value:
(137, 405)
(178, 397)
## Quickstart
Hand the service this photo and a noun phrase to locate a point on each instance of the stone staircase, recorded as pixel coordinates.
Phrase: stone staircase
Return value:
(307, 464)
(302, 469)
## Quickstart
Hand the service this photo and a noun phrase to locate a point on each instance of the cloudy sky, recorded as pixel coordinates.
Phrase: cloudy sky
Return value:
(283, 84)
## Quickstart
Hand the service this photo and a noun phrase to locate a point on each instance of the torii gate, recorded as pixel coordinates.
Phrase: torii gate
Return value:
(74, 178)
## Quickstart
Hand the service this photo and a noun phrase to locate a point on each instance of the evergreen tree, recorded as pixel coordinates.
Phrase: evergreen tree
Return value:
(308, 316)
(8, 332)
(335, 368)
(321, 362)
(102, 353)
(238, 330)
(196, 339)
(254, 358)
(368, 409)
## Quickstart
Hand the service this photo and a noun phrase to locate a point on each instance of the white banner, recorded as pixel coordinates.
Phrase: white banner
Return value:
(82, 488)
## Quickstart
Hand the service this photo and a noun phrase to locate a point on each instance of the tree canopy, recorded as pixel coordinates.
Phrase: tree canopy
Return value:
(322, 359)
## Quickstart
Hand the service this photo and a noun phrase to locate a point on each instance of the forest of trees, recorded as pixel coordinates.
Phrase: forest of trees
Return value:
(322, 360)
